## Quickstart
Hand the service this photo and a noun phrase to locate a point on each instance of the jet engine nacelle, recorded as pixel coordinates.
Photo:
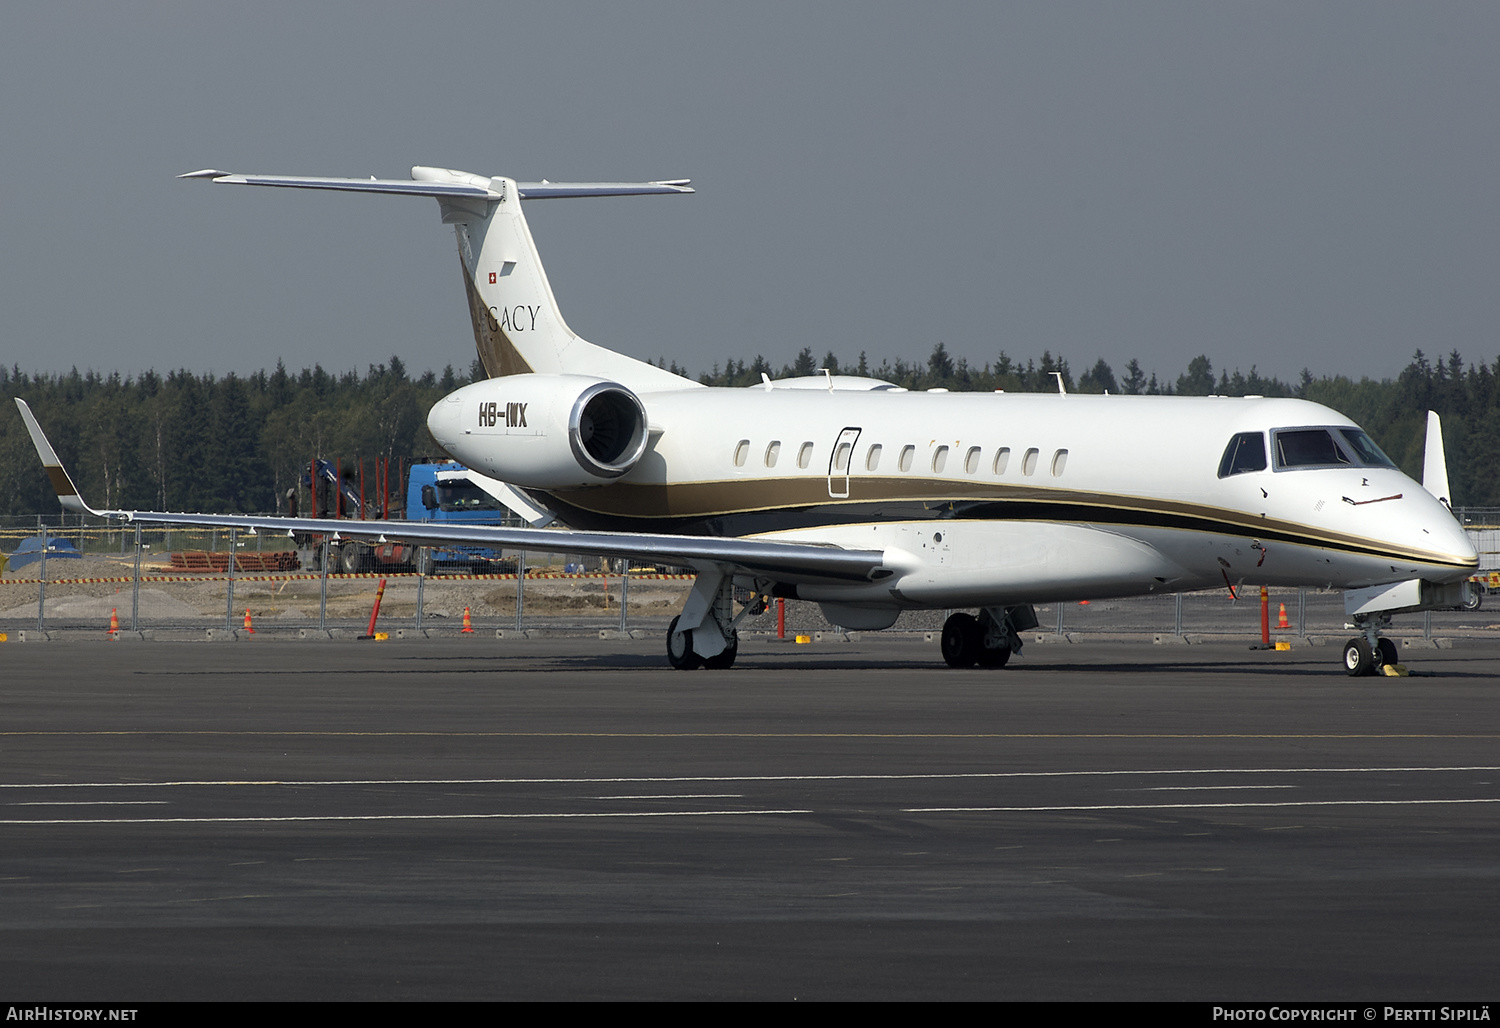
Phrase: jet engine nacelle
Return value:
(543, 431)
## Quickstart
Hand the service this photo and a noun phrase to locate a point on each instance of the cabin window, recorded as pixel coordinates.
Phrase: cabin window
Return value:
(907, 453)
(804, 455)
(971, 460)
(1002, 458)
(1308, 448)
(1028, 462)
(1245, 452)
(872, 458)
(939, 459)
(841, 458)
(1059, 461)
(741, 452)
(772, 452)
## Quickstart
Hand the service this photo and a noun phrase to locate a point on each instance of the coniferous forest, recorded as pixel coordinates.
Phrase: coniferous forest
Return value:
(184, 441)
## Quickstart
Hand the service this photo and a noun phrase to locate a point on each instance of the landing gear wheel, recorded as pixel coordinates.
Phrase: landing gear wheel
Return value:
(962, 640)
(1388, 654)
(999, 656)
(680, 648)
(1358, 659)
(725, 660)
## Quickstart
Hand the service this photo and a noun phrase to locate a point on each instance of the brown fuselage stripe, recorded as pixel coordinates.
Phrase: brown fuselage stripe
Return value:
(756, 506)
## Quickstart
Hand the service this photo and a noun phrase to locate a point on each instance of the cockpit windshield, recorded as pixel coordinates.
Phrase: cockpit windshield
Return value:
(1334, 447)
(1326, 448)
(1365, 449)
(1308, 448)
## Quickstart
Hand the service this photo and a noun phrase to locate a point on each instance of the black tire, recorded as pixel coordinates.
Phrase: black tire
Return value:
(994, 658)
(680, 652)
(725, 660)
(1475, 599)
(962, 640)
(1388, 652)
(1358, 659)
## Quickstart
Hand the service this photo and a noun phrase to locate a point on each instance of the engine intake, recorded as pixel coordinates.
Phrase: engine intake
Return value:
(607, 429)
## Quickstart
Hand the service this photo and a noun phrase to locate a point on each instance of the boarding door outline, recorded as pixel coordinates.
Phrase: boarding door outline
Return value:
(839, 463)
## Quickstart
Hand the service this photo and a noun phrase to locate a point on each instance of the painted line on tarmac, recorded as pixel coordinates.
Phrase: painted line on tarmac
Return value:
(91, 803)
(678, 796)
(171, 733)
(966, 775)
(1187, 806)
(390, 817)
(1205, 788)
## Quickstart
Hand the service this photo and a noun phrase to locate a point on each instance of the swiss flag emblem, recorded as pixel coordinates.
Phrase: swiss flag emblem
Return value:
(492, 278)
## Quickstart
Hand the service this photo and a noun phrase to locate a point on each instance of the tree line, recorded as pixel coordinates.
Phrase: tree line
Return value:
(185, 441)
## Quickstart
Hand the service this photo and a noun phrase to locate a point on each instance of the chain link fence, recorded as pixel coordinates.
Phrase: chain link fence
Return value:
(91, 579)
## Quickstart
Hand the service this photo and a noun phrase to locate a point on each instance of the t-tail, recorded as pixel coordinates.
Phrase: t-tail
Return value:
(517, 327)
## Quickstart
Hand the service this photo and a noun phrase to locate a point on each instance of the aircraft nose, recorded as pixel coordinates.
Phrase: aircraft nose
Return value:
(443, 421)
(1463, 543)
(1442, 534)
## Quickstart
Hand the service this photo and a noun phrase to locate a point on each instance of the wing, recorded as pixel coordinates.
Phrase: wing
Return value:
(763, 558)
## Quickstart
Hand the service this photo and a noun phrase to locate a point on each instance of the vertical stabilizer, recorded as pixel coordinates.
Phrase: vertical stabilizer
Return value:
(517, 326)
(1435, 462)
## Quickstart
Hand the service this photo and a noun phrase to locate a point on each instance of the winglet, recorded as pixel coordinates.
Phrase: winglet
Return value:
(1435, 462)
(67, 492)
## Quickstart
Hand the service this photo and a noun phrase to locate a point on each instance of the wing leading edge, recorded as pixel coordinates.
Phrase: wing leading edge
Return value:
(784, 562)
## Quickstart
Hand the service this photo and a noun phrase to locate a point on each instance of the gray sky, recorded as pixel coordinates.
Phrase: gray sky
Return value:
(1276, 184)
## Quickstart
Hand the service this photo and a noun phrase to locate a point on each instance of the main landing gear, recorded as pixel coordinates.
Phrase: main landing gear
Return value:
(681, 655)
(987, 640)
(1368, 655)
(706, 633)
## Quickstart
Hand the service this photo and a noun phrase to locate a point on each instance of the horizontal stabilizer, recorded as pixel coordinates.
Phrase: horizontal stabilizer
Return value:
(545, 190)
(476, 188)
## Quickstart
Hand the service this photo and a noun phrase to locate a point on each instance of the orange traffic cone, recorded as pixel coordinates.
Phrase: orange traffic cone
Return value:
(468, 625)
(114, 623)
(248, 626)
(1281, 620)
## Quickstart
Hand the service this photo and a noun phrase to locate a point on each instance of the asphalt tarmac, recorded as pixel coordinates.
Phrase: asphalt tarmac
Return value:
(570, 819)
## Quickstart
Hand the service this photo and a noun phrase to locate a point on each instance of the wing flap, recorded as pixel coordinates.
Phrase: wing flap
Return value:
(784, 562)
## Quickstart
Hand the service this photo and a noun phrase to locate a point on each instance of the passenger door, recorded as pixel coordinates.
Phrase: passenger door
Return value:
(839, 461)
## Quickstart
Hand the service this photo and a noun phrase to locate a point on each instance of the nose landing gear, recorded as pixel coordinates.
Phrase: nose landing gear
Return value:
(1371, 654)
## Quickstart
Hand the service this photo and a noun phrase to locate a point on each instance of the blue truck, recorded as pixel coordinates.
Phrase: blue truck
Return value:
(447, 493)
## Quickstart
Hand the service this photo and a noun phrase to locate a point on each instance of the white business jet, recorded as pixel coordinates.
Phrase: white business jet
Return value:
(869, 499)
